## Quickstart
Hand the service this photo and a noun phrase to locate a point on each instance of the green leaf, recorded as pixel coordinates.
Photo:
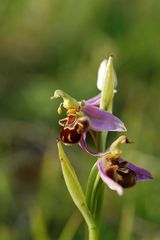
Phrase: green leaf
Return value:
(74, 186)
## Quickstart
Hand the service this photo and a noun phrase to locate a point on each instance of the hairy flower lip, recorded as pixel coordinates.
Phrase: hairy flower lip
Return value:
(112, 167)
(70, 136)
(141, 174)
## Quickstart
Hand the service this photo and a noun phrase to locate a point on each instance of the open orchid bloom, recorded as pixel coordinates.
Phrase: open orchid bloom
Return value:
(118, 173)
(83, 116)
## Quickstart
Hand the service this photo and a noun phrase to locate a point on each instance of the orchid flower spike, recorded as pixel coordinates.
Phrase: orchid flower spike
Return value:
(83, 116)
(117, 173)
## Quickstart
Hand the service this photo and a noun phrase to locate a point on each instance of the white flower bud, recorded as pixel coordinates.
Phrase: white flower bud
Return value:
(102, 72)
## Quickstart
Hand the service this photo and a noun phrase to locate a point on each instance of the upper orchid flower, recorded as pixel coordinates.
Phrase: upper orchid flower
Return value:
(83, 116)
(118, 173)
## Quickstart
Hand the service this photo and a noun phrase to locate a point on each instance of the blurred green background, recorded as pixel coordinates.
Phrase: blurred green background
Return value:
(45, 45)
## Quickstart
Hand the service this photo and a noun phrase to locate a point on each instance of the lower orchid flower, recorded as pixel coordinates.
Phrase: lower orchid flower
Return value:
(117, 173)
(84, 116)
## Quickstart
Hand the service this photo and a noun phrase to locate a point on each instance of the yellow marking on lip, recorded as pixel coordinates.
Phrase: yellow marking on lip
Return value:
(79, 129)
(69, 137)
(80, 125)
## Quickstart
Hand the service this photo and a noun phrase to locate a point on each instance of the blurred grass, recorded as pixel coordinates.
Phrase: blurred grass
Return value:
(46, 45)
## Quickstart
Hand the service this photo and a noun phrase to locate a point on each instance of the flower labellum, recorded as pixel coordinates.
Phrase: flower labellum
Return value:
(73, 128)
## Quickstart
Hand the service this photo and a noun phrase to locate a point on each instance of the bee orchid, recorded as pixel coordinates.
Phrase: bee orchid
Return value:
(117, 173)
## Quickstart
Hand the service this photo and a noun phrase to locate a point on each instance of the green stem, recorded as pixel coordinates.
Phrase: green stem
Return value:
(96, 199)
(98, 205)
(93, 233)
(95, 187)
(90, 184)
(95, 191)
(99, 188)
(99, 193)
(93, 197)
